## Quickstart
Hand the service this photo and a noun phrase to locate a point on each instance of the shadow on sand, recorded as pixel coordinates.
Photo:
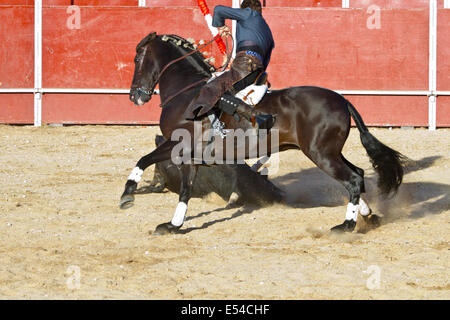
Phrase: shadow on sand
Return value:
(312, 188)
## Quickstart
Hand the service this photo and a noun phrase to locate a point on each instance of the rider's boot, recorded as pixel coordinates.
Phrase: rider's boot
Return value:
(258, 119)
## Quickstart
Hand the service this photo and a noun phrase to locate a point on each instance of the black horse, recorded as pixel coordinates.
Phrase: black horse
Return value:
(312, 119)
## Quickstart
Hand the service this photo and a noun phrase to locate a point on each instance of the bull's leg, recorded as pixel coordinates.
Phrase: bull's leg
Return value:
(258, 165)
(235, 199)
(188, 174)
(161, 153)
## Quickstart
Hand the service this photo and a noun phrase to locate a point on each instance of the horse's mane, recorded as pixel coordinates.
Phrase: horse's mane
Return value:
(184, 46)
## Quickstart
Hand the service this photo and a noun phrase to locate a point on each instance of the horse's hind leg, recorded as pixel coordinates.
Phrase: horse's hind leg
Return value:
(356, 169)
(188, 174)
(364, 209)
(161, 153)
(338, 168)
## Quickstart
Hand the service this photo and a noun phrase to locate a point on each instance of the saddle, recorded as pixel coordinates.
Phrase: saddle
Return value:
(250, 90)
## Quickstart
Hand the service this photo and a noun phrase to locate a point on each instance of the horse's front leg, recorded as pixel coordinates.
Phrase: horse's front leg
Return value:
(188, 174)
(161, 153)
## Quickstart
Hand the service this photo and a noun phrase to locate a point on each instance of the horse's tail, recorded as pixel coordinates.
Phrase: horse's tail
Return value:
(388, 163)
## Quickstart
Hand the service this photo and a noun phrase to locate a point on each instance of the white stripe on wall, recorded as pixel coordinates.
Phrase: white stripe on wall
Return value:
(432, 66)
(37, 63)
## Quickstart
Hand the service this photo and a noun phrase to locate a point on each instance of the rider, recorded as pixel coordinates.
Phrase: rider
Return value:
(254, 47)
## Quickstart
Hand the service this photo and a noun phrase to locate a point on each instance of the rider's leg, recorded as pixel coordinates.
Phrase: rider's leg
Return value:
(258, 119)
(243, 65)
(233, 106)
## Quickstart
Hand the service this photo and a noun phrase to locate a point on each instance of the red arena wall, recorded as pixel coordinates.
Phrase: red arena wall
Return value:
(374, 45)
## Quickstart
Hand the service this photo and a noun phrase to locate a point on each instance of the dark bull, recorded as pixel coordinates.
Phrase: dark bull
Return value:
(247, 186)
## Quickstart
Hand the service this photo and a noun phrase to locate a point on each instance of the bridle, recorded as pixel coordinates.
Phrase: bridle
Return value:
(145, 91)
(150, 91)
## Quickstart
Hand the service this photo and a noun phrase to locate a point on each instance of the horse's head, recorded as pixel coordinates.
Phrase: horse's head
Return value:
(154, 57)
(145, 72)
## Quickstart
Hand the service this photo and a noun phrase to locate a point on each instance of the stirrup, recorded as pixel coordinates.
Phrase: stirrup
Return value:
(263, 121)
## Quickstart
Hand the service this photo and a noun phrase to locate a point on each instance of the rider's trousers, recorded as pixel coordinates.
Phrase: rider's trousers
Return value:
(243, 65)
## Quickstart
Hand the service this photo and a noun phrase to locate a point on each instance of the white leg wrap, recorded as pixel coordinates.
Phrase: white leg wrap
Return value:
(364, 209)
(136, 175)
(180, 213)
(352, 212)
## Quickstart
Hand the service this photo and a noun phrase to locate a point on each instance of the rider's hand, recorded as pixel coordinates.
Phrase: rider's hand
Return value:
(224, 31)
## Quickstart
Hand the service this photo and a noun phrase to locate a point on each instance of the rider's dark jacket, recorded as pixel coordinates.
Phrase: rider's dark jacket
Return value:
(254, 48)
(251, 30)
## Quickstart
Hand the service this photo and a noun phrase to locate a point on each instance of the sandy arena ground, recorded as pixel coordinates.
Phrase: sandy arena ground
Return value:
(60, 223)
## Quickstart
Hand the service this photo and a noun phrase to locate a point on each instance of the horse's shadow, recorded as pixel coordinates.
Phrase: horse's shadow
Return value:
(312, 188)
(414, 199)
(243, 210)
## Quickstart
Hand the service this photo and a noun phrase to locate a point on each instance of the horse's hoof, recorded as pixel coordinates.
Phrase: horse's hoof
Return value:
(127, 201)
(373, 221)
(347, 226)
(165, 228)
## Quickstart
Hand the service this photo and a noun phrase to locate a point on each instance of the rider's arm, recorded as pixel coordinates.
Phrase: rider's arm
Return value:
(221, 13)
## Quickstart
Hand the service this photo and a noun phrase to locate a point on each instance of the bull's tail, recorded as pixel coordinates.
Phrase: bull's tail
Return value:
(388, 163)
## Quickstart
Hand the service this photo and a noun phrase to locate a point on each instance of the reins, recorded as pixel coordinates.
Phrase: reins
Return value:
(192, 85)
